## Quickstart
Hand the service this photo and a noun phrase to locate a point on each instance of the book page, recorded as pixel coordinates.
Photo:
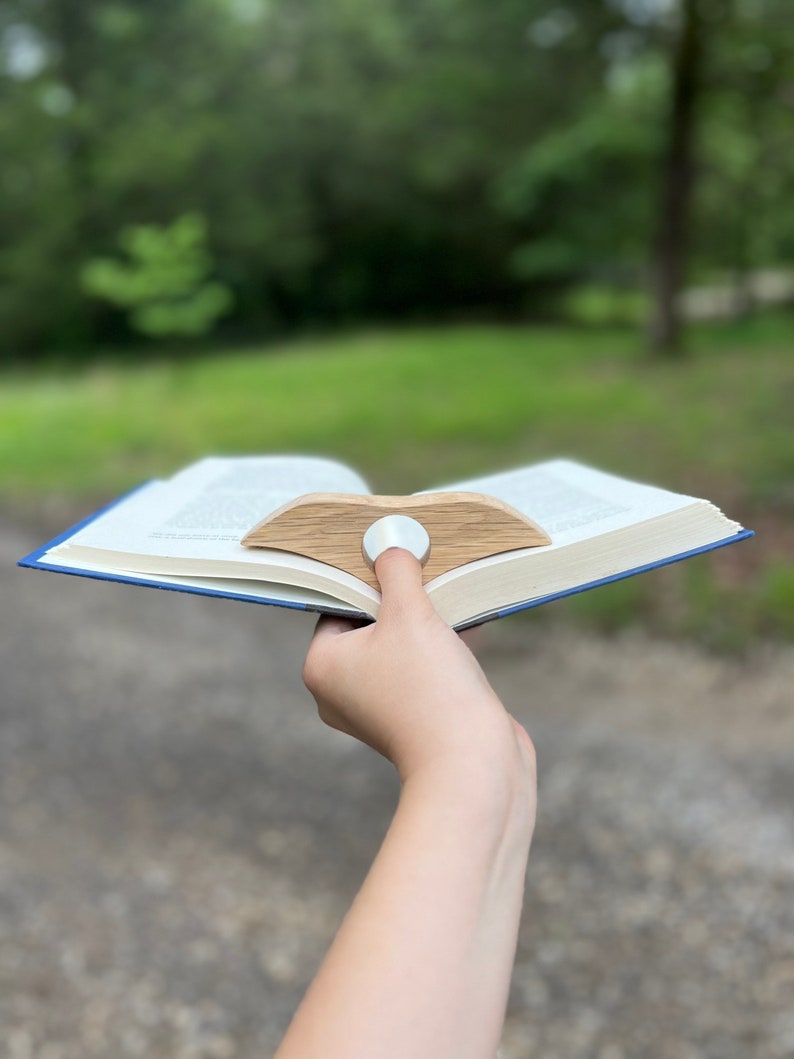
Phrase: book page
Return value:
(601, 527)
(227, 497)
(203, 511)
(572, 502)
(271, 590)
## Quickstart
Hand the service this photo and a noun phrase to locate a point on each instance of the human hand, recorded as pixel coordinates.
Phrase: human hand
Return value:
(421, 963)
(408, 686)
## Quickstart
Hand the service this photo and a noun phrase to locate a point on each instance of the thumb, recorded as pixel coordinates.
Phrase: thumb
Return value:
(400, 577)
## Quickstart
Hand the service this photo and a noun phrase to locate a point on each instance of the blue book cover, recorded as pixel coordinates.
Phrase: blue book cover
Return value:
(205, 587)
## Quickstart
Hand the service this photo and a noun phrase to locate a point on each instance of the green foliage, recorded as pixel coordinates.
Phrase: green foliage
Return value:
(596, 305)
(418, 407)
(777, 597)
(357, 160)
(744, 215)
(614, 607)
(559, 188)
(459, 396)
(164, 281)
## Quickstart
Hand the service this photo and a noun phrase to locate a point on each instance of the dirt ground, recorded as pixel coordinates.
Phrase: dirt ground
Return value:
(180, 836)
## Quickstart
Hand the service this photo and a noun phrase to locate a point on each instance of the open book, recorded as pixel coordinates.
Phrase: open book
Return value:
(185, 532)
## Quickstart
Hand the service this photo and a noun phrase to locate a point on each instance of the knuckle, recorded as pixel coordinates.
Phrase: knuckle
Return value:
(325, 713)
(526, 742)
(315, 668)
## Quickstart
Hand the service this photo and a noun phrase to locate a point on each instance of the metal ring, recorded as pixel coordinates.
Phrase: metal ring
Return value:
(395, 531)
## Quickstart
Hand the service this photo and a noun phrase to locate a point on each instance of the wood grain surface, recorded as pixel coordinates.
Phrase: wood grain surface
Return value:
(330, 527)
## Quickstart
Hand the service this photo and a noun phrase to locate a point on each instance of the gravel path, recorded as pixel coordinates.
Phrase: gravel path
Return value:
(179, 835)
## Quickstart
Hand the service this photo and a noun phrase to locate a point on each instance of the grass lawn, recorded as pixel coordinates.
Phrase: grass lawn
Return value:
(415, 408)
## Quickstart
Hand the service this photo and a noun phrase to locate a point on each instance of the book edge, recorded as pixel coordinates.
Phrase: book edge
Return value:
(195, 590)
(37, 553)
(32, 561)
(743, 534)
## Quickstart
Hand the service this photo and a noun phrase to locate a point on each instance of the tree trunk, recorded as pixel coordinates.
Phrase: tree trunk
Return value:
(72, 37)
(672, 236)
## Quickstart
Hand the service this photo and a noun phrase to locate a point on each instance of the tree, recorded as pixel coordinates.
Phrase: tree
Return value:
(410, 157)
(743, 216)
(165, 282)
(677, 173)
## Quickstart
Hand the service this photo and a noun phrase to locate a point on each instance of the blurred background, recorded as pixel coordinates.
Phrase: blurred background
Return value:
(430, 239)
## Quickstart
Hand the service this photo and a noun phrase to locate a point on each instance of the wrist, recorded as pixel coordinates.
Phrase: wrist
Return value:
(490, 788)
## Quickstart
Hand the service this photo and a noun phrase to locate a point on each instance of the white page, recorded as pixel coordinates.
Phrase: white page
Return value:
(228, 496)
(202, 512)
(269, 590)
(572, 502)
(166, 527)
(600, 526)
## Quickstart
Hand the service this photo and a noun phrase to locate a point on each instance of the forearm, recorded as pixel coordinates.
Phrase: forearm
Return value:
(421, 965)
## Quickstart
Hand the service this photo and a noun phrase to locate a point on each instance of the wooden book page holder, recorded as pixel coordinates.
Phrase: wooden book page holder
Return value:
(330, 527)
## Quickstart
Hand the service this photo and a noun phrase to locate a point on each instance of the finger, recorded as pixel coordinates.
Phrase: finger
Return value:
(400, 577)
(322, 650)
(331, 625)
(473, 638)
